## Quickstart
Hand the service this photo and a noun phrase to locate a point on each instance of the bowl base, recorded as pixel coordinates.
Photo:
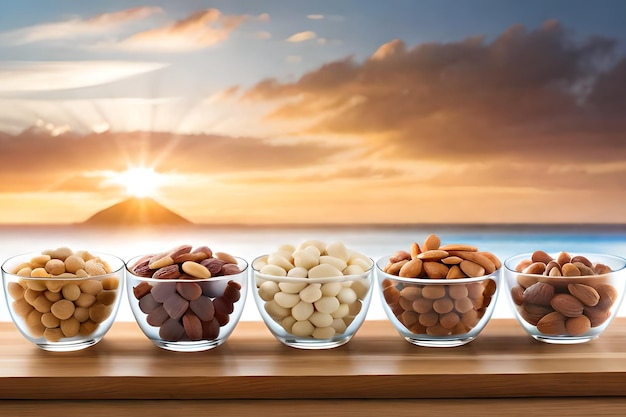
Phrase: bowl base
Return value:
(442, 342)
(313, 344)
(564, 340)
(188, 346)
(67, 346)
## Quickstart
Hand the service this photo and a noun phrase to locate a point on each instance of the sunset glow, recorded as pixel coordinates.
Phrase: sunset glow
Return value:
(281, 112)
(139, 181)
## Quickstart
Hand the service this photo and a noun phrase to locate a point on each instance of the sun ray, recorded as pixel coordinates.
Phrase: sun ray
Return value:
(139, 181)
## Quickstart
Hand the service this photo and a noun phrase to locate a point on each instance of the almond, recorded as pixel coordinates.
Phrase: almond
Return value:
(180, 250)
(555, 272)
(391, 295)
(577, 326)
(539, 293)
(472, 269)
(551, 265)
(452, 260)
(435, 269)
(570, 270)
(597, 315)
(563, 258)
(552, 324)
(582, 259)
(415, 250)
(142, 289)
(433, 255)
(535, 268)
(608, 295)
(567, 304)
(459, 247)
(411, 269)
(432, 242)
(523, 265)
(395, 267)
(159, 261)
(455, 273)
(141, 269)
(477, 258)
(493, 258)
(541, 256)
(529, 317)
(195, 257)
(584, 269)
(400, 255)
(167, 272)
(490, 287)
(537, 309)
(601, 269)
(517, 294)
(527, 280)
(586, 294)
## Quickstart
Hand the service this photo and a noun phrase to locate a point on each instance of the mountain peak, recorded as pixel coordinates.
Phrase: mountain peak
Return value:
(136, 211)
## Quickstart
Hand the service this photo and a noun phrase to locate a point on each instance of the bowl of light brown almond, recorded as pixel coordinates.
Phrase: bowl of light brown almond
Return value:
(565, 297)
(439, 294)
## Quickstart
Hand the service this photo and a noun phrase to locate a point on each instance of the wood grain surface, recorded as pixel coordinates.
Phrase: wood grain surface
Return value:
(511, 407)
(376, 364)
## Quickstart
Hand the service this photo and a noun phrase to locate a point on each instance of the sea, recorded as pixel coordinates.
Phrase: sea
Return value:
(376, 241)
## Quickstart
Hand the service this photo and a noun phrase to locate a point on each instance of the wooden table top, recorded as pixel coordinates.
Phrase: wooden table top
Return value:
(376, 364)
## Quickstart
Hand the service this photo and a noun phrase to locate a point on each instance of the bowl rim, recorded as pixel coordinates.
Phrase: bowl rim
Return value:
(426, 281)
(366, 275)
(198, 280)
(35, 253)
(510, 268)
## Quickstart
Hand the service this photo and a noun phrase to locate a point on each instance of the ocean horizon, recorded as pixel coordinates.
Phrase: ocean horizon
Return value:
(375, 240)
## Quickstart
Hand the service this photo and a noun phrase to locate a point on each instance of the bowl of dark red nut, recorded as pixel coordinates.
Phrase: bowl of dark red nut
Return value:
(187, 299)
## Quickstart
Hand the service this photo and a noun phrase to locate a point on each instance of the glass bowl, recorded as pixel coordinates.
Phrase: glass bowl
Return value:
(312, 313)
(187, 315)
(63, 312)
(438, 312)
(565, 309)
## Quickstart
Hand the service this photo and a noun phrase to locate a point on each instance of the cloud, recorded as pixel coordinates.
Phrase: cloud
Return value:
(302, 36)
(395, 47)
(50, 76)
(315, 16)
(342, 173)
(516, 98)
(77, 27)
(59, 163)
(263, 35)
(200, 30)
(263, 17)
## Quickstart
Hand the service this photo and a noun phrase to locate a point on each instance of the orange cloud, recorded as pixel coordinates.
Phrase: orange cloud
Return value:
(202, 29)
(61, 163)
(516, 98)
(302, 36)
(76, 27)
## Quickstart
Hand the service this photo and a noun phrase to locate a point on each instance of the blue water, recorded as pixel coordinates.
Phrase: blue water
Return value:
(375, 241)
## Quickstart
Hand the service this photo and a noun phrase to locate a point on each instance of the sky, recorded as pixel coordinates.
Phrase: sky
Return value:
(342, 111)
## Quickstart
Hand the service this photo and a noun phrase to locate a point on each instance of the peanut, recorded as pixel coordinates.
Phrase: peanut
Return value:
(57, 284)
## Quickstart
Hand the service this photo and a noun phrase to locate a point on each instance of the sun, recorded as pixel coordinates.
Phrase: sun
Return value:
(140, 181)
